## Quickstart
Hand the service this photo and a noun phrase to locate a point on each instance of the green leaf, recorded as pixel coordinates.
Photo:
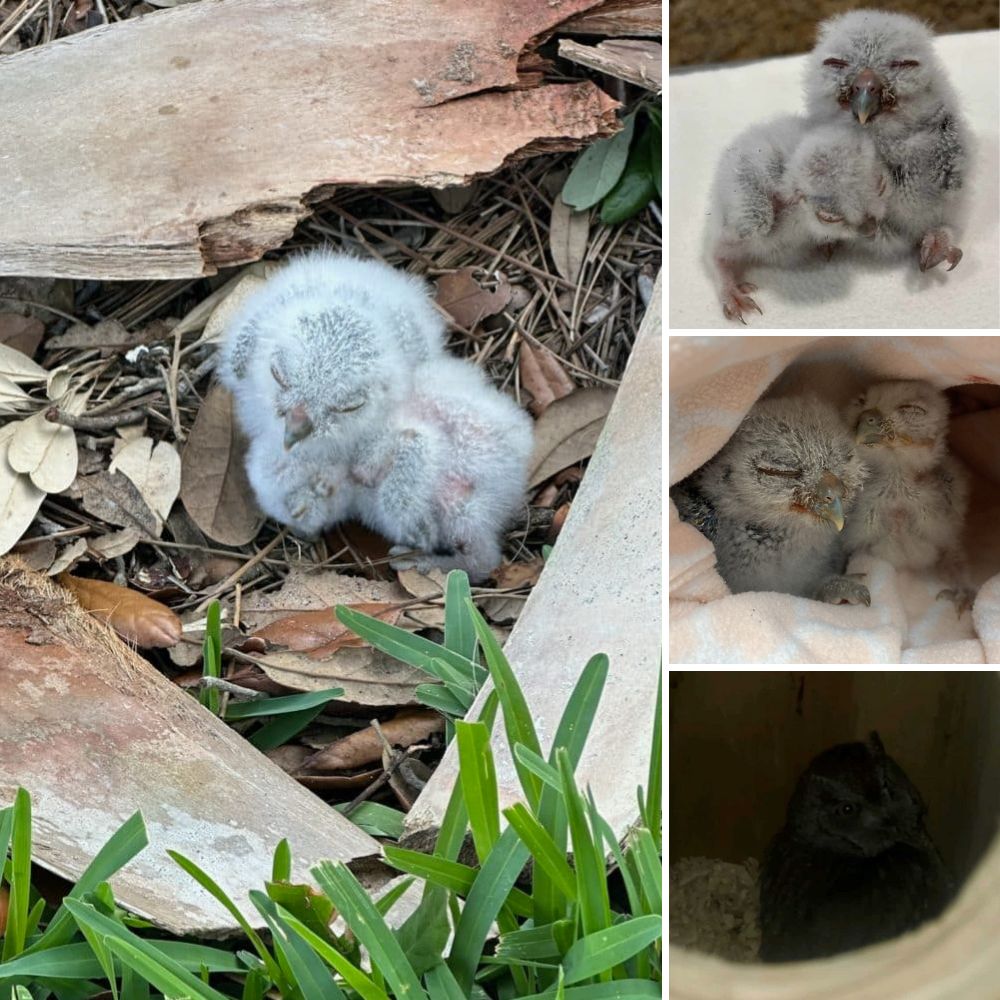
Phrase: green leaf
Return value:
(281, 866)
(533, 944)
(442, 985)
(604, 950)
(619, 989)
(304, 903)
(649, 867)
(65, 961)
(368, 926)
(375, 818)
(490, 890)
(635, 188)
(516, 717)
(424, 933)
(438, 697)
(652, 817)
(211, 656)
(279, 706)
(477, 775)
(280, 730)
(459, 635)
(122, 846)
(19, 876)
(543, 849)
(598, 168)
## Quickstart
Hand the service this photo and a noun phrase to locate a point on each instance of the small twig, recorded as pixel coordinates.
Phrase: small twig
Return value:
(82, 422)
(233, 577)
(221, 684)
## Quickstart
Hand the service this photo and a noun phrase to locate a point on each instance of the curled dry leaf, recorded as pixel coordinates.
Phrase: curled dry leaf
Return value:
(135, 617)
(569, 232)
(20, 498)
(408, 726)
(18, 367)
(543, 376)
(214, 487)
(115, 499)
(115, 543)
(320, 633)
(568, 431)
(76, 549)
(155, 471)
(13, 399)
(109, 335)
(197, 318)
(241, 290)
(519, 574)
(466, 300)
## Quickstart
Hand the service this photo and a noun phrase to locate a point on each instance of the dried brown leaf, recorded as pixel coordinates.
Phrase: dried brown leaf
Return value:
(114, 499)
(215, 326)
(155, 471)
(408, 726)
(320, 633)
(428, 586)
(18, 367)
(23, 333)
(44, 451)
(466, 300)
(543, 376)
(109, 335)
(135, 617)
(19, 497)
(569, 233)
(519, 574)
(115, 543)
(214, 487)
(568, 431)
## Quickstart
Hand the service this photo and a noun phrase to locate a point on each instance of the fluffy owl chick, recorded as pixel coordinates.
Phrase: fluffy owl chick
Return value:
(316, 356)
(775, 498)
(446, 471)
(913, 504)
(783, 190)
(877, 72)
(854, 863)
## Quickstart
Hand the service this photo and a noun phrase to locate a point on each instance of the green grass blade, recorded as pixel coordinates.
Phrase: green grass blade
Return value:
(218, 894)
(478, 778)
(368, 926)
(544, 850)
(65, 961)
(516, 717)
(652, 815)
(619, 989)
(649, 867)
(459, 634)
(442, 985)
(442, 700)
(281, 866)
(211, 656)
(6, 826)
(601, 952)
(312, 978)
(588, 857)
(377, 819)
(279, 706)
(533, 944)
(122, 846)
(20, 876)
(281, 729)
(491, 888)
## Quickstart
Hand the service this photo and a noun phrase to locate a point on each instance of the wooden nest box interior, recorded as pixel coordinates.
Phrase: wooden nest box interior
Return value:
(739, 741)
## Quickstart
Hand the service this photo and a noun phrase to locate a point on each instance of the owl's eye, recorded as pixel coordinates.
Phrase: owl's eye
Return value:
(278, 376)
(350, 408)
(838, 63)
(785, 473)
(904, 64)
(913, 407)
(846, 809)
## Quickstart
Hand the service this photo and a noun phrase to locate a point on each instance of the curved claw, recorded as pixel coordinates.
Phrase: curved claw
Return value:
(737, 301)
(828, 217)
(936, 247)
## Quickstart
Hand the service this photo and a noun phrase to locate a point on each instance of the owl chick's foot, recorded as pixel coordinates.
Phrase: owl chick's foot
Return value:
(935, 247)
(845, 589)
(961, 597)
(736, 300)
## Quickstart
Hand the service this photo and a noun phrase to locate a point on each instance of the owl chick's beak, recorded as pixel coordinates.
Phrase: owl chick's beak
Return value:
(866, 95)
(872, 428)
(298, 425)
(829, 493)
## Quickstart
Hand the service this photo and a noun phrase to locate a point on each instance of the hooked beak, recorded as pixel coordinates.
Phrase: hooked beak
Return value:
(866, 95)
(297, 425)
(871, 428)
(829, 492)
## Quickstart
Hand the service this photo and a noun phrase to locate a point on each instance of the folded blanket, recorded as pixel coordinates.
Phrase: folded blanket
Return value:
(713, 383)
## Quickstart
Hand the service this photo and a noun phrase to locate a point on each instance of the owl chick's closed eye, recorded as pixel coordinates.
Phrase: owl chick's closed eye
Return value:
(878, 73)
(912, 509)
(854, 863)
(775, 498)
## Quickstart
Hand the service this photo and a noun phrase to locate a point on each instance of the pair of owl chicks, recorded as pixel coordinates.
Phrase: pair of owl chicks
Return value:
(800, 487)
(353, 409)
(878, 162)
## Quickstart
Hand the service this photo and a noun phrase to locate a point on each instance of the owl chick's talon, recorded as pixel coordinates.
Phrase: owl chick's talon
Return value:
(845, 590)
(961, 597)
(936, 247)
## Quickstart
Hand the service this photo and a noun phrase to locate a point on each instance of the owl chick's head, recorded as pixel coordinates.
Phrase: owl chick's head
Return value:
(836, 173)
(335, 375)
(791, 464)
(875, 69)
(854, 799)
(902, 423)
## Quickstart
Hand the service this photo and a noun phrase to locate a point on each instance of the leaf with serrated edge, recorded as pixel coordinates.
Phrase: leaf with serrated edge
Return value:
(19, 497)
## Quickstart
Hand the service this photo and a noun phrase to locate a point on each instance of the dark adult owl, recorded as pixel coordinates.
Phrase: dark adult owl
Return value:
(774, 501)
(853, 864)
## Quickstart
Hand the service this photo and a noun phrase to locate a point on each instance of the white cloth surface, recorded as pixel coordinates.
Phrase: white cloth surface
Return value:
(709, 108)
